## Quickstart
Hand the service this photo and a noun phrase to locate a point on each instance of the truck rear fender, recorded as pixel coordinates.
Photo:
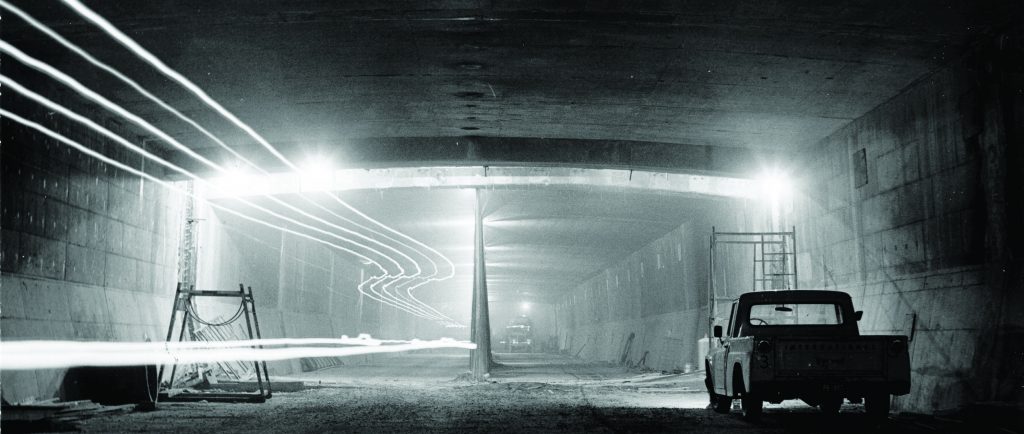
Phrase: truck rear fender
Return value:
(739, 379)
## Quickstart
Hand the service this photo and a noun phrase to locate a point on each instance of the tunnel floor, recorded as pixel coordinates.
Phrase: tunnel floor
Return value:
(428, 392)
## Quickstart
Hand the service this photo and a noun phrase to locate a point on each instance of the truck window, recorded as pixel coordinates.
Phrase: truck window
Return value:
(795, 314)
(732, 327)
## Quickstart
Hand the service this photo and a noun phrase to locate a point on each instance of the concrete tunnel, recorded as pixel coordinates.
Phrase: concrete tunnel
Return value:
(449, 173)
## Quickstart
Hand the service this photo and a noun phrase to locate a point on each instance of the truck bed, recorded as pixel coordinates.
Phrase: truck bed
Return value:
(861, 356)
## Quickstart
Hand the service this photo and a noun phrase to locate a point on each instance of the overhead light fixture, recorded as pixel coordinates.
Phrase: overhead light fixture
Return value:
(237, 182)
(775, 184)
(317, 174)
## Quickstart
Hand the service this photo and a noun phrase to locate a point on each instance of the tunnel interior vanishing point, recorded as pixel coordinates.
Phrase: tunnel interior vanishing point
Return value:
(469, 216)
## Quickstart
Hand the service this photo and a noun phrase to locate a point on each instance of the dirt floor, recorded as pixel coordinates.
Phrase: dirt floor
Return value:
(424, 392)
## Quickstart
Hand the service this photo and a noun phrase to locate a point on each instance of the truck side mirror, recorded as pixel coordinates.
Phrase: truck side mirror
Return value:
(858, 314)
(718, 331)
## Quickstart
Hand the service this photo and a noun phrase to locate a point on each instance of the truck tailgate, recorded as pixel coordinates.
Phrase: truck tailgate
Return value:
(854, 356)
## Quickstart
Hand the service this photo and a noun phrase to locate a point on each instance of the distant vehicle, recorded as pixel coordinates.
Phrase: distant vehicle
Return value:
(519, 335)
(802, 344)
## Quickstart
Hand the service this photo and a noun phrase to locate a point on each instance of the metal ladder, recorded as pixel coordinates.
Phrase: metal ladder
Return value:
(773, 266)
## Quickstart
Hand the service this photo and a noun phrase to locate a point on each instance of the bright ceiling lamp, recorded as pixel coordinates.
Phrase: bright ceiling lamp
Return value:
(317, 174)
(525, 306)
(775, 185)
(236, 182)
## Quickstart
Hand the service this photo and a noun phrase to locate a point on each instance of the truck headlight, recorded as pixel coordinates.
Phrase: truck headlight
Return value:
(764, 346)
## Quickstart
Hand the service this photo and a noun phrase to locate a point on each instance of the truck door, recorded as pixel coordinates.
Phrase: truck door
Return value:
(722, 354)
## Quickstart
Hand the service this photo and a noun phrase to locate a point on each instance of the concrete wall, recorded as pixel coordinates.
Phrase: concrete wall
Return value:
(88, 251)
(657, 295)
(301, 288)
(921, 238)
(927, 238)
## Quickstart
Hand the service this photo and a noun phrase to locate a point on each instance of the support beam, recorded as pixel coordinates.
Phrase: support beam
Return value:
(480, 358)
(372, 153)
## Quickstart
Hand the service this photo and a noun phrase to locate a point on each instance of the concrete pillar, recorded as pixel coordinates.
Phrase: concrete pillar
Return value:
(480, 324)
(1000, 148)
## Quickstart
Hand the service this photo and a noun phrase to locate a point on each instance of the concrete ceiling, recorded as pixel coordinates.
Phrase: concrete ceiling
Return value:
(750, 74)
(379, 83)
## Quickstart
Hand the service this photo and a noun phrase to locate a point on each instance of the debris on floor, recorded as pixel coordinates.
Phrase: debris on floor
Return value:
(53, 415)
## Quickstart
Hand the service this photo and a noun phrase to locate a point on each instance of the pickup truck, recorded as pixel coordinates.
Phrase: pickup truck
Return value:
(803, 344)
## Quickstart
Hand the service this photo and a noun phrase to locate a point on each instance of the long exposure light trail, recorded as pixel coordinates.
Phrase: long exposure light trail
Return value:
(378, 287)
(137, 172)
(396, 284)
(169, 72)
(141, 90)
(120, 140)
(20, 355)
(111, 106)
(125, 79)
(115, 163)
(77, 86)
(368, 288)
(451, 266)
(82, 148)
(133, 46)
(418, 275)
(153, 60)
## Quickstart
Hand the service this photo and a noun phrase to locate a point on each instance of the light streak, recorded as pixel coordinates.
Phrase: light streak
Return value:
(10, 83)
(169, 72)
(451, 266)
(111, 106)
(150, 58)
(129, 43)
(138, 88)
(368, 288)
(125, 40)
(25, 355)
(82, 148)
(120, 140)
(383, 292)
(85, 55)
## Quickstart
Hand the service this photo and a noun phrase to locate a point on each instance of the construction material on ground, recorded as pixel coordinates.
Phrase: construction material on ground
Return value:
(184, 303)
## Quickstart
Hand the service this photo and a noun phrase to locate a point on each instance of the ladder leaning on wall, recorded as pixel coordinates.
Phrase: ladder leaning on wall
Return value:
(773, 266)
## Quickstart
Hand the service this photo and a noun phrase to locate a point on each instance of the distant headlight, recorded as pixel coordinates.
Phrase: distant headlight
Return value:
(764, 346)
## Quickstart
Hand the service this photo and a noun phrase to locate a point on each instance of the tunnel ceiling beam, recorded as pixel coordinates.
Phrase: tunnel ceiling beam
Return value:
(698, 186)
(504, 151)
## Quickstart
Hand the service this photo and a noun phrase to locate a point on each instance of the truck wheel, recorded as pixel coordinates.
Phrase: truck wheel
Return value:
(877, 406)
(830, 404)
(752, 408)
(721, 403)
(709, 386)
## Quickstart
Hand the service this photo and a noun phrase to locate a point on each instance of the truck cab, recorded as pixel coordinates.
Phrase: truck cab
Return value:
(801, 344)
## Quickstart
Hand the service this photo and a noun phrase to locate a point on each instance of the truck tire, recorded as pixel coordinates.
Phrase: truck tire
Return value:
(830, 404)
(721, 404)
(709, 385)
(752, 408)
(877, 406)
